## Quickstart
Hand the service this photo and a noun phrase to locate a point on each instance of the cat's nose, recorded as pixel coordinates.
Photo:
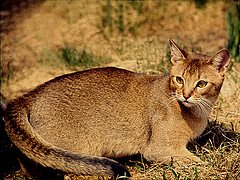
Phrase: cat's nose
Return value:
(186, 96)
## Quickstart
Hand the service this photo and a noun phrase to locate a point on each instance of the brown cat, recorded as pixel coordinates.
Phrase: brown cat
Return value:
(76, 122)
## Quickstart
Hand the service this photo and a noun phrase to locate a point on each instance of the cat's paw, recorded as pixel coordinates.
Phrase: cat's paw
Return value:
(188, 160)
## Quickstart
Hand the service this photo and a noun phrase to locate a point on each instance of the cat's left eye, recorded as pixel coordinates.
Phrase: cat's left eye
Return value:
(179, 80)
(202, 84)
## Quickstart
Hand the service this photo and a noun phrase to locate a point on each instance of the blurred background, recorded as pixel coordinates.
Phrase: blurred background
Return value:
(41, 39)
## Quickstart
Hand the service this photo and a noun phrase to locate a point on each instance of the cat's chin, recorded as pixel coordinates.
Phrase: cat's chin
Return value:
(187, 104)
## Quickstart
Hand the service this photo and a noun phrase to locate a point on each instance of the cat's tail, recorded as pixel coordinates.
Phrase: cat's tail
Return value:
(36, 148)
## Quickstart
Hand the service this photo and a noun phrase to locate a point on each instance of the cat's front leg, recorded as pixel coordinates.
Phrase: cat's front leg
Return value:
(167, 155)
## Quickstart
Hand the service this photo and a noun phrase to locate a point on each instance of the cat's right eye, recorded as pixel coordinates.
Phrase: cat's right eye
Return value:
(179, 80)
(202, 84)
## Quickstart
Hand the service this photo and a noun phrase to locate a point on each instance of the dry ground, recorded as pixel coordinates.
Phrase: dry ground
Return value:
(38, 31)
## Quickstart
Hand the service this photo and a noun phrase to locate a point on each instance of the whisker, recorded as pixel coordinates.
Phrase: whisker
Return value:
(204, 111)
(206, 103)
(172, 100)
(172, 97)
(198, 111)
(203, 107)
(206, 107)
(209, 103)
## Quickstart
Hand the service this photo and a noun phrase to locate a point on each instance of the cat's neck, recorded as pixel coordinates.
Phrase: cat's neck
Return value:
(197, 121)
(195, 112)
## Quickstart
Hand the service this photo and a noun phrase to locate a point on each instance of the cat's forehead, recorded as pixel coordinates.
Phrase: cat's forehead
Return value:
(194, 59)
(193, 65)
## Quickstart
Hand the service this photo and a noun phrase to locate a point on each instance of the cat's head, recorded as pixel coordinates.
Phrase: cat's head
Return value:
(196, 79)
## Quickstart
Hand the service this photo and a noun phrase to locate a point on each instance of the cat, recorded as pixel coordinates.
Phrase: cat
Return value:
(77, 122)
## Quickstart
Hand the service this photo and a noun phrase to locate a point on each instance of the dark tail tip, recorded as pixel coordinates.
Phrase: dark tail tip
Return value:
(120, 171)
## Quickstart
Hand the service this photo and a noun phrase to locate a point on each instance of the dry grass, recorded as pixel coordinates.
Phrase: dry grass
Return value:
(30, 54)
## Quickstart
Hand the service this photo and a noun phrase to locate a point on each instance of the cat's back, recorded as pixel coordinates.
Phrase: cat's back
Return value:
(92, 81)
(109, 76)
(94, 87)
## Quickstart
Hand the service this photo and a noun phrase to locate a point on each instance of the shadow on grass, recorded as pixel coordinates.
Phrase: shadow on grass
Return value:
(8, 158)
(216, 134)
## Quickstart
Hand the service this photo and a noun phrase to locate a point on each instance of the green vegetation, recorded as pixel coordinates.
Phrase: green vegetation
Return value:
(117, 17)
(7, 72)
(72, 58)
(119, 20)
(82, 58)
(153, 59)
(233, 27)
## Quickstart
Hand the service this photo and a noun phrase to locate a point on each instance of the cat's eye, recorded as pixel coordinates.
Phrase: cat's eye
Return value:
(179, 80)
(202, 84)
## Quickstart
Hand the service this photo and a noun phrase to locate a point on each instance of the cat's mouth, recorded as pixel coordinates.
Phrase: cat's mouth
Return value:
(187, 103)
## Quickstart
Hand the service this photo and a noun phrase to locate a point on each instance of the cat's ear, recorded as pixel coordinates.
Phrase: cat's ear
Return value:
(220, 60)
(177, 54)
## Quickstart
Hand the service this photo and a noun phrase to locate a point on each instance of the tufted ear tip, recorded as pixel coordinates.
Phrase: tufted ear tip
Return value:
(221, 60)
(177, 54)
